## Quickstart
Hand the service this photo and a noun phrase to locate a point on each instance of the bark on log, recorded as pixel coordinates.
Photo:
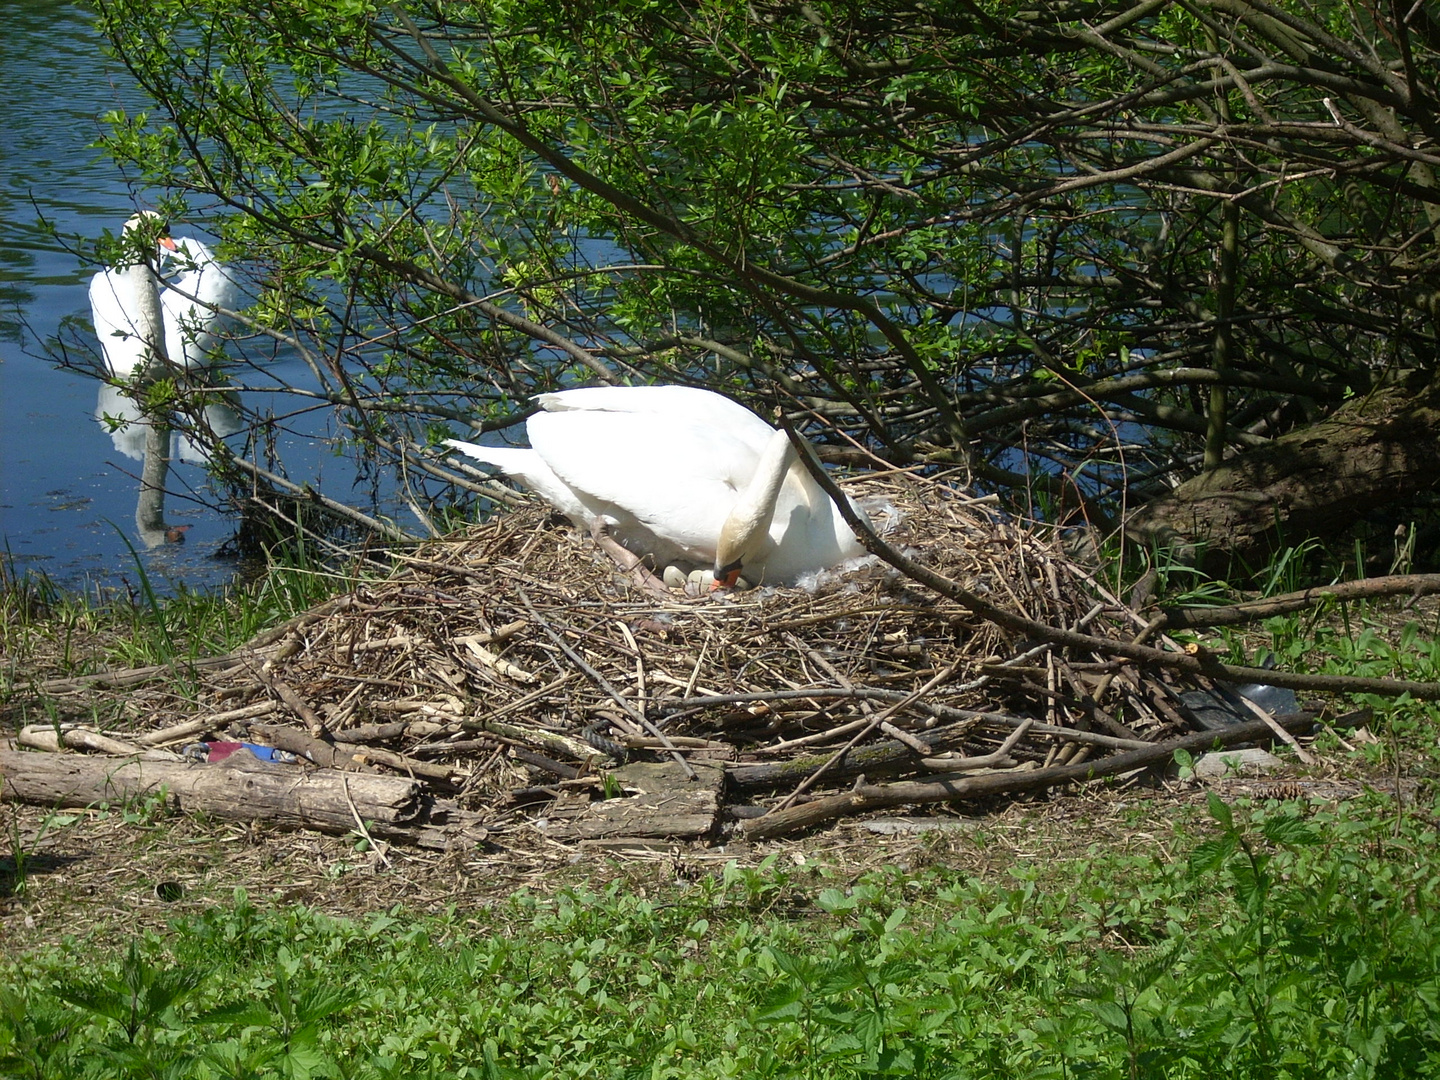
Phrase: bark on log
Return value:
(238, 789)
(1317, 481)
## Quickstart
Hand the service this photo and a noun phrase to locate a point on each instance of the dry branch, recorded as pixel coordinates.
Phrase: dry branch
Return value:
(1412, 585)
(868, 797)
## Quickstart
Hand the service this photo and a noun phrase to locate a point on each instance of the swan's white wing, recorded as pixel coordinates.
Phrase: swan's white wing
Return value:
(701, 408)
(191, 325)
(676, 478)
(528, 468)
(201, 276)
(112, 312)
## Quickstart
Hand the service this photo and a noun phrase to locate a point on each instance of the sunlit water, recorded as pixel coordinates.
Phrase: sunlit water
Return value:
(67, 492)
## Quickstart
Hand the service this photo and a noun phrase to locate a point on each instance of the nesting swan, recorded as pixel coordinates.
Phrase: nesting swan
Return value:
(680, 474)
(122, 299)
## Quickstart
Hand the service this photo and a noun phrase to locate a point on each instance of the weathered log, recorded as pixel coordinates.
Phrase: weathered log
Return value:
(1316, 481)
(666, 802)
(878, 759)
(237, 789)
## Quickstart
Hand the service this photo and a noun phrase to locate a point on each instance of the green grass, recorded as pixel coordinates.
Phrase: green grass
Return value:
(1272, 941)
(71, 633)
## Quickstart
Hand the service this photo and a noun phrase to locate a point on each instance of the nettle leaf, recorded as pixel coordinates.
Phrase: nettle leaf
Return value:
(1220, 810)
(1289, 832)
(1210, 855)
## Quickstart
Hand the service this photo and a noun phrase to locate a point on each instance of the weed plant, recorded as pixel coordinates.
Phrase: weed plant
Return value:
(73, 633)
(1275, 941)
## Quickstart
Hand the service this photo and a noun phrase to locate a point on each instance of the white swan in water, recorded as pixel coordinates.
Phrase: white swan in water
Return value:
(187, 304)
(680, 474)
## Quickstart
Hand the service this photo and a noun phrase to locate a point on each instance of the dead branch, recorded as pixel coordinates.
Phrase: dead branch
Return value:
(1412, 585)
(1200, 663)
(868, 797)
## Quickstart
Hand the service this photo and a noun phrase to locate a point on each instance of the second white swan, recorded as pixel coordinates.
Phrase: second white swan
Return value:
(188, 304)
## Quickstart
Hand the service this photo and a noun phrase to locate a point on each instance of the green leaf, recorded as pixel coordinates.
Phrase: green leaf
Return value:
(1220, 811)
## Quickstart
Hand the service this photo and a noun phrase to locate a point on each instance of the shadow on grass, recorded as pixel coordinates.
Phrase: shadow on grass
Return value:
(14, 874)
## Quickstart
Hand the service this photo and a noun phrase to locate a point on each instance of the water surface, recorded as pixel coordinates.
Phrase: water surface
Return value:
(67, 491)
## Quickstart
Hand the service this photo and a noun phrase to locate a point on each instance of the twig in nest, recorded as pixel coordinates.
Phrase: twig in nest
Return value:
(863, 798)
(601, 682)
(494, 662)
(999, 757)
(875, 722)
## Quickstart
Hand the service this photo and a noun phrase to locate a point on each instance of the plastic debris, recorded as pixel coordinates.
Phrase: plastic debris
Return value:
(210, 752)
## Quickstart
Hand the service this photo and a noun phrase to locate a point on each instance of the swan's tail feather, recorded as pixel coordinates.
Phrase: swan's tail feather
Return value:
(505, 458)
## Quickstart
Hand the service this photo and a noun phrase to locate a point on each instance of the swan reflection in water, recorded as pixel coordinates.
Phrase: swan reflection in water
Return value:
(118, 414)
(161, 312)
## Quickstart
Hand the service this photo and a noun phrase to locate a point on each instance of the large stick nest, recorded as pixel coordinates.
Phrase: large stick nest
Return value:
(528, 683)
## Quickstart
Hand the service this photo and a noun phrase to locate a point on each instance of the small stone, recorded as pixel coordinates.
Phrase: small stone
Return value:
(1252, 761)
(913, 826)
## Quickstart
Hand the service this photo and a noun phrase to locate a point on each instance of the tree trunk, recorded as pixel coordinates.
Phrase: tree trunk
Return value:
(1316, 482)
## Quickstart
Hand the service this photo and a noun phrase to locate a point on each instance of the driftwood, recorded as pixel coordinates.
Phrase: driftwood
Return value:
(237, 789)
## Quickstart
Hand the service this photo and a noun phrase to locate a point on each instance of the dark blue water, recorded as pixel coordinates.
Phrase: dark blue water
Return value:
(67, 493)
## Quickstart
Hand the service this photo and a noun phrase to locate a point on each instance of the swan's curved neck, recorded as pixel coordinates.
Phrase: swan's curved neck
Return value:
(149, 322)
(750, 517)
(758, 498)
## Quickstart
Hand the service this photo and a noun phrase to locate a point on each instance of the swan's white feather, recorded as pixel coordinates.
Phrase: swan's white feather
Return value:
(663, 467)
(191, 325)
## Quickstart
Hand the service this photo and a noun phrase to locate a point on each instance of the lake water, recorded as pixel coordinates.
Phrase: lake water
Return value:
(67, 492)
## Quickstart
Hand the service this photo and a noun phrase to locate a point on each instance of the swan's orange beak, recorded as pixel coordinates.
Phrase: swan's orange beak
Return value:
(727, 578)
(167, 243)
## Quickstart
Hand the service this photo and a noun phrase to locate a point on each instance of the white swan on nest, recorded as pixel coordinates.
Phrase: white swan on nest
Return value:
(188, 303)
(680, 474)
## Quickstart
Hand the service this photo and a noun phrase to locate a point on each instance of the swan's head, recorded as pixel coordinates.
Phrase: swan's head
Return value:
(146, 224)
(741, 550)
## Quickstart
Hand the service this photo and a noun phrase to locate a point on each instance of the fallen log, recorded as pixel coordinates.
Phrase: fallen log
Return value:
(237, 789)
